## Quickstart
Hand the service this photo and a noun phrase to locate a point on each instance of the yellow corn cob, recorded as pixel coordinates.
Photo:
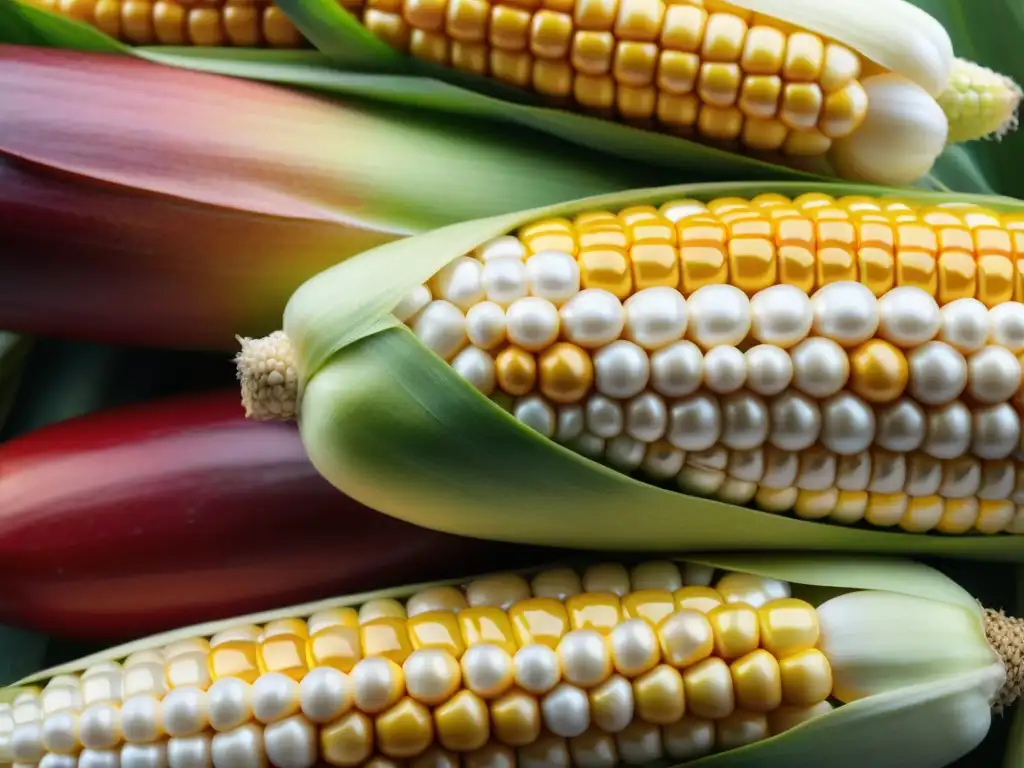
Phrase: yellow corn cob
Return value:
(854, 359)
(564, 668)
(245, 23)
(718, 72)
(703, 68)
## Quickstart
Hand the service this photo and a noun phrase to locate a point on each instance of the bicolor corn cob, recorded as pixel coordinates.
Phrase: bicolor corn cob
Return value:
(244, 23)
(598, 667)
(849, 359)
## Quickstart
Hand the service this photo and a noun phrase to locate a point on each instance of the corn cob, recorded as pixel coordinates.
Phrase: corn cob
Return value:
(594, 667)
(244, 23)
(849, 359)
(776, 78)
(98, 500)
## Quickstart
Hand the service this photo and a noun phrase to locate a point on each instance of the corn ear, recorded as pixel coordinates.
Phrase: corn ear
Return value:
(933, 712)
(894, 135)
(389, 423)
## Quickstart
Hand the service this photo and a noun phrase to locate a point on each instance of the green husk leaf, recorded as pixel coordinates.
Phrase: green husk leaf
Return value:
(25, 24)
(390, 424)
(906, 577)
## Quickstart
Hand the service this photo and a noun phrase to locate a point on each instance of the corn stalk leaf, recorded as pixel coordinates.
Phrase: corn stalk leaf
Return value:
(392, 425)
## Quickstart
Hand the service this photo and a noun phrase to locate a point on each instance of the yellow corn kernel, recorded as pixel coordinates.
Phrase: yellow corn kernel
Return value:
(878, 371)
(678, 112)
(437, 629)
(736, 629)
(787, 626)
(387, 637)
(347, 741)
(237, 658)
(876, 268)
(806, 678)
(516, 371)
(708, 689)
(285, 654)
(487, 625)
(539, 620)
(701, 599)
(594, 610)
(405, 730)
(757, 681)
(659, 695)
(512, 67)
(552, 78)
(683, 28)
(654, 605)
(337, 647)
(516, 718)
(463, 722)
(752, 264)
(607, 269)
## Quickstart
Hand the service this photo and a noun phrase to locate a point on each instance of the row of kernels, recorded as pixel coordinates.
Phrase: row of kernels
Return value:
(879, 472)
(912, 514)
(844, 424)
(933, 374)
(165, 22)
(754, 253)
(493, 309)
(295, 743)
(841, 225)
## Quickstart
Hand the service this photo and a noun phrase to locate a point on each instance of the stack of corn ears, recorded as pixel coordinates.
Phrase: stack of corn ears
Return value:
(676, 368)
(867, 89)
(722, 661)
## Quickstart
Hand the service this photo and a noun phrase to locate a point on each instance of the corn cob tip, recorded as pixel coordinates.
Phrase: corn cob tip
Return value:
(979, 103)
(1006, 636)
(268, 373)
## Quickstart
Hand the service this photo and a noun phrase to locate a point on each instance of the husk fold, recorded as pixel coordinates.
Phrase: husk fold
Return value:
(389, 423)
(927, 724)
